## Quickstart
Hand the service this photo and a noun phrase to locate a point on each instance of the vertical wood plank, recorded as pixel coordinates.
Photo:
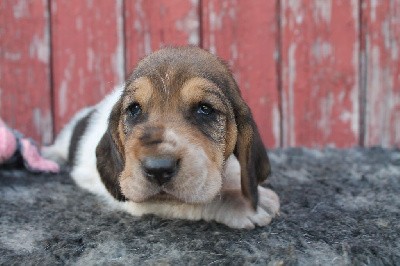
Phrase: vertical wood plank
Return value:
(320, 53)
(150, 25)
(244, 34)
(381, 34)
(88, 53)
(25, 102)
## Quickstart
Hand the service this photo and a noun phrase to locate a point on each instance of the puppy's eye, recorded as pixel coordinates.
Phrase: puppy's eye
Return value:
(204, 109)
(134, 110)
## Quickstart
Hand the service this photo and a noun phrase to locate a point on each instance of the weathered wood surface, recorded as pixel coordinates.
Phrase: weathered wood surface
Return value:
(315, 72)
(150, 25)
(320, 51)
(243, 33)
(25, 96)
(381, 71)
(88, 53)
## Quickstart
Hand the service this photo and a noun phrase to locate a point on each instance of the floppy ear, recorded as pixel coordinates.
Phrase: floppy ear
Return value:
(109, 155)
(251, 153)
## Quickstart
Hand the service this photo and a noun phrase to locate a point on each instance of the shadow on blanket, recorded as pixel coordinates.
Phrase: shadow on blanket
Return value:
(338, 207)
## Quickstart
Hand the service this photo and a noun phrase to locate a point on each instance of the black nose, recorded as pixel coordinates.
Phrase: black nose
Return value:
(159, 169)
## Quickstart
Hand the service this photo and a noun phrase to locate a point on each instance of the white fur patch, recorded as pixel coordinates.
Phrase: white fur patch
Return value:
(59, 150)
(85, 171)
(201, 181)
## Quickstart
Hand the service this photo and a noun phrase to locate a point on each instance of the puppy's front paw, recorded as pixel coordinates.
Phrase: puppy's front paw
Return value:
(235, 211)
(268, 201)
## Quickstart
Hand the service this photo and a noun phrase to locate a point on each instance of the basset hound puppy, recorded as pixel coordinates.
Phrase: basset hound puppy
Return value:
(177, 140)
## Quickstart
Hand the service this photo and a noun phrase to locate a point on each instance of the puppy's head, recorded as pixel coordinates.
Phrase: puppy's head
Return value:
(178, 120)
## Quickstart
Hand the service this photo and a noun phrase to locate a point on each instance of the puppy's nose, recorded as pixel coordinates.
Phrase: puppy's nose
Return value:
(160, 169)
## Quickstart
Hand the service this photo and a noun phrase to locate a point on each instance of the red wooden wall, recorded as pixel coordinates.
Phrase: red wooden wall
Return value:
(315, 72)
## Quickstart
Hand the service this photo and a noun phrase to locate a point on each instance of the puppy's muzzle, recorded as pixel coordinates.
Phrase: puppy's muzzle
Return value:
(160, 169)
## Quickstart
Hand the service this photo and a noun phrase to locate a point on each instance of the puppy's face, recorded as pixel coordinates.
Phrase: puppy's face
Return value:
(175, 136)
(173, 129)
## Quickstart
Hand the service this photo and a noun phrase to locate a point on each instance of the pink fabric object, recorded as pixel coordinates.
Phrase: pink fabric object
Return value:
(8, 143)
(33, 161)
(13, 144)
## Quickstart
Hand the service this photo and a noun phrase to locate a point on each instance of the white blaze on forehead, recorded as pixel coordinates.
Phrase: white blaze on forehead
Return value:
(174, 141)
(199, 179)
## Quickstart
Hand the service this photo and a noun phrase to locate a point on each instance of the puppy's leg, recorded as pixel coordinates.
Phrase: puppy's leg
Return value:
(235, 211)
(230, 207)
(59, 150)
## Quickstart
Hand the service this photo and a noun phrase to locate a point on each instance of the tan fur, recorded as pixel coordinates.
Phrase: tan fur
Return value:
(167, 91)
(220, 158)
(199, 179)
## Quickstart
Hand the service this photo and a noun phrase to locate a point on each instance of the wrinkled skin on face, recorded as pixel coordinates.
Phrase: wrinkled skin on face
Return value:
(180, 117)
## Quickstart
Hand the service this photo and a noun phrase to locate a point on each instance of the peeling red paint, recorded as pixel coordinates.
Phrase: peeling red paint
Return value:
(311, 72)
(86, 53)
(150, 25)
(320, 73)
(25, 102)
(381, 22)
(243, 33)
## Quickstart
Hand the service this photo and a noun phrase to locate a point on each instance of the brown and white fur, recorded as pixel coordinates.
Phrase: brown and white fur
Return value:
(177, 140)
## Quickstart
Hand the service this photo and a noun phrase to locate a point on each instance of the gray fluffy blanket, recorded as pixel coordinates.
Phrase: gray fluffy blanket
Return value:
(338, 207)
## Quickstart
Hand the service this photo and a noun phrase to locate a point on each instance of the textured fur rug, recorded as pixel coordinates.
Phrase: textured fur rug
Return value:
(338, 207)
